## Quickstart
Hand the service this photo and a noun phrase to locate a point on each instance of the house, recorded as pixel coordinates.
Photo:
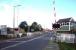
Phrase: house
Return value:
(66, 25)
(66, 31)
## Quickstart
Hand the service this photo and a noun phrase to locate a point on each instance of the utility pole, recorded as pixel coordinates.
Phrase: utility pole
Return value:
(13, 18)
(14, 9)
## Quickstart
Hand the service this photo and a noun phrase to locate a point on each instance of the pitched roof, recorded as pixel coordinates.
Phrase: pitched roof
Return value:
(65, 20)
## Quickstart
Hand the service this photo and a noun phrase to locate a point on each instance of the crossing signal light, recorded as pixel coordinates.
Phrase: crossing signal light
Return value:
(56, 25)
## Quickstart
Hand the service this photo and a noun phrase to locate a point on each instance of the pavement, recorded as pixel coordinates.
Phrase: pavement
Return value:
(32, 43)
(52, 46)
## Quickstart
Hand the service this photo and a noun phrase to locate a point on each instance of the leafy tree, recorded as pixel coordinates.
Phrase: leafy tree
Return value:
(36, 27)
(33, 27)
(39, 27)
(24, 25)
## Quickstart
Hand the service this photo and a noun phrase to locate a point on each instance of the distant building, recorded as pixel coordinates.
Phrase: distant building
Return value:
(66, 25)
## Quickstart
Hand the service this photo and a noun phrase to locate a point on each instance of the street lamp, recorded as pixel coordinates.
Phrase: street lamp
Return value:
(14, 16)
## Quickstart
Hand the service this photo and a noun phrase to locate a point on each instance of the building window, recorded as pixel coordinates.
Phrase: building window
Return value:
(64, 23)
(67, 23)
(60, 24)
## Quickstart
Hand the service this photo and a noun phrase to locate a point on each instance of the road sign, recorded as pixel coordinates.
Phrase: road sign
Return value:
(3, 30)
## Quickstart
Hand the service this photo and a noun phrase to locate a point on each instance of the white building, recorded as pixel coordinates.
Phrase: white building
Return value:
(66, 25)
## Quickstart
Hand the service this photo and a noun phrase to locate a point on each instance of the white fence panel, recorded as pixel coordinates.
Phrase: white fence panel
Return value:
(68, 38)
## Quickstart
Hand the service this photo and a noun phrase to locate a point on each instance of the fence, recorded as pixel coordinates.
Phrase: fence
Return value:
(68, 38)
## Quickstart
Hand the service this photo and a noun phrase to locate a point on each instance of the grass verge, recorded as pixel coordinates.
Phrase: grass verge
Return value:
(67, 46)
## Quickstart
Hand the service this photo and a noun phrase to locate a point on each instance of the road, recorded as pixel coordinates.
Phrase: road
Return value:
(33, 43)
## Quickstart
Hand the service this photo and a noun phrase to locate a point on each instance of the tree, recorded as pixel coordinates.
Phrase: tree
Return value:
(39, 27)
(24, 25)
(33, 27)
(36, 27)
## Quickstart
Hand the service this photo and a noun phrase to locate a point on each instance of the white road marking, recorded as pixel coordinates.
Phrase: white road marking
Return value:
(12, 39)
(21, 43)
(15, 41)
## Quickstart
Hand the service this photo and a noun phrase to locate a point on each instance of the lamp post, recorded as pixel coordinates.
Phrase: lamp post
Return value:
(14, 16)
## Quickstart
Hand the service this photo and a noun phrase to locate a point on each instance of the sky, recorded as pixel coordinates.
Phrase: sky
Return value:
(40, 11)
